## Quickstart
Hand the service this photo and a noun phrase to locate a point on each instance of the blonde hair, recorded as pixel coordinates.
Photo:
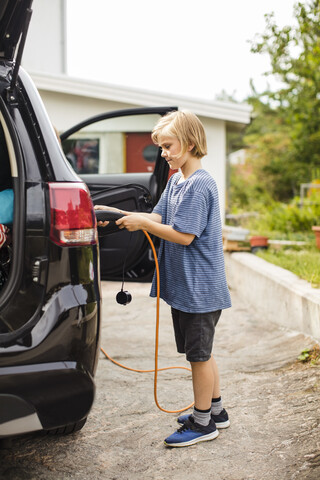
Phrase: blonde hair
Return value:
(186, 127)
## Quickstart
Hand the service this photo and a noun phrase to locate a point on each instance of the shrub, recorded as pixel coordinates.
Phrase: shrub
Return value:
(274, 217)
(293, 218)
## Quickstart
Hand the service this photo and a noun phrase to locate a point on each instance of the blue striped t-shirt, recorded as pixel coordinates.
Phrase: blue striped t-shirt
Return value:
(192, 278)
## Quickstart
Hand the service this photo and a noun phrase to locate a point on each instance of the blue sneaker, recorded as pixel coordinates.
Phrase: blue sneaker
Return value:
(221, 420)
(191, 433)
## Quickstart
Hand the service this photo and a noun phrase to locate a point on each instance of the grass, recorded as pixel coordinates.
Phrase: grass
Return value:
(304, 262)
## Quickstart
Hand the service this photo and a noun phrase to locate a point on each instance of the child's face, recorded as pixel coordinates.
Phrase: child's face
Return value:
(171, 148)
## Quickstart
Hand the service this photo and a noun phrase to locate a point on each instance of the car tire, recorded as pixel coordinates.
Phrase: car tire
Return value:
(75, 427)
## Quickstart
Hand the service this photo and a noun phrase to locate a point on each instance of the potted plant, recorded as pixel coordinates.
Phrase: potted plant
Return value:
(258, 242)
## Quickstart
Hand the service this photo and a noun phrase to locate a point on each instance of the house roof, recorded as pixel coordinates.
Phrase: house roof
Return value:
(228, 111)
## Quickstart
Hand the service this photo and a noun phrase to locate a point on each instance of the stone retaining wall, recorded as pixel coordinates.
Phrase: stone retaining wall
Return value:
(279, 295)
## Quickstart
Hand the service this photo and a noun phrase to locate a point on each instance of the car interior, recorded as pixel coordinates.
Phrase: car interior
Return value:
(6, 204)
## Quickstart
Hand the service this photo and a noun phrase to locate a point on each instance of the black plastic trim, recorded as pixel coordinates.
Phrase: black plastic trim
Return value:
(13, 407)
(59, 397)
(117, 113)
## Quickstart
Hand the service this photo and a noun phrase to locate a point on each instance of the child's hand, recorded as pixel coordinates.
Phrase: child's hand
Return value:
(132, 223)
(104, 207)
(102, 224)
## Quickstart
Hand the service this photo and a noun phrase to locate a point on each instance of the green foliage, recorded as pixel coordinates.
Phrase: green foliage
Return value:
(245, 189)
(283, 140)
(311, 354)
(304, 355)
(224, 96)
(292, 217)
(280, 220)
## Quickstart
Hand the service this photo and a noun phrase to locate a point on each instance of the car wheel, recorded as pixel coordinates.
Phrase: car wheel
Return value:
(75, 427)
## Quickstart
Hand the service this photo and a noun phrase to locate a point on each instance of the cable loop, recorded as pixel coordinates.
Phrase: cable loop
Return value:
(156, 369)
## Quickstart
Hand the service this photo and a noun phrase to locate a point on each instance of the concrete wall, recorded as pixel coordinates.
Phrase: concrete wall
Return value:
(277, 294)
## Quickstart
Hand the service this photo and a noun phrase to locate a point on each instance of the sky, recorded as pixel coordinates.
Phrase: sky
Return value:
(194, 48)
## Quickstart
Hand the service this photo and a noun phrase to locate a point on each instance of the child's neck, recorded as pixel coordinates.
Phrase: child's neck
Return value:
(189, 168)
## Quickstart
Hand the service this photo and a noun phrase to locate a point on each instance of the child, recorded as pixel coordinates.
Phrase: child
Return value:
(192, 274)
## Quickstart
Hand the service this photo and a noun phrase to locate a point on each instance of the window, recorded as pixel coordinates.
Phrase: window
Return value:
(114, 145)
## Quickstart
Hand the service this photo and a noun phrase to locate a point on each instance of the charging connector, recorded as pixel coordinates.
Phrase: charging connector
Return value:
(123, 297)
(107, 215)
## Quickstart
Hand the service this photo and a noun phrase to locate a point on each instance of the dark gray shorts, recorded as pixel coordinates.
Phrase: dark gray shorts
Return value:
(194, 333)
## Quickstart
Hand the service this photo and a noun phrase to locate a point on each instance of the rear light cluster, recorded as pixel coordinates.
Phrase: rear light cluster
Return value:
(73, 221)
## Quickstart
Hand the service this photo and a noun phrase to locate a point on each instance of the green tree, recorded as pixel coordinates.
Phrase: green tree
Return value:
(285, 135)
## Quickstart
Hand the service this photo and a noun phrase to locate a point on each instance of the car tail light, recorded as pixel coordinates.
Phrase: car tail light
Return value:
(73, 221)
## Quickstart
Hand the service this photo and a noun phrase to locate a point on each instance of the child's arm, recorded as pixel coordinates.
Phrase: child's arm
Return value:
(155, 217)
(145, 222)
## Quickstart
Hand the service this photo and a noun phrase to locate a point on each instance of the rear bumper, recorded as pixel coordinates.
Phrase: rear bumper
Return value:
(43, 397)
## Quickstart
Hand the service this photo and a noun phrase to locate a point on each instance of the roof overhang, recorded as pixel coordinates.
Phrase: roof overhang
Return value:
(228, 111)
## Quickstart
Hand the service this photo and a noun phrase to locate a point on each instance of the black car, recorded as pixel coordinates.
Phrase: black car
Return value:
(50, 300)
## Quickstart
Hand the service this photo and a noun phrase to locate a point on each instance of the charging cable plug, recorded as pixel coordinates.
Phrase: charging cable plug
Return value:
(123, 297)
(108, 216)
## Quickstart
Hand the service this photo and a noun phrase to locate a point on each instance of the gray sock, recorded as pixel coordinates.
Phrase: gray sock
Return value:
(202, 417)
(216, 406)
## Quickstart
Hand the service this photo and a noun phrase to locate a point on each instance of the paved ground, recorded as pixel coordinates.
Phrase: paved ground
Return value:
(273, 402)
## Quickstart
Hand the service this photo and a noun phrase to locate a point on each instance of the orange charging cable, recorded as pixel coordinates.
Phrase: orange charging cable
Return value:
(156, 369)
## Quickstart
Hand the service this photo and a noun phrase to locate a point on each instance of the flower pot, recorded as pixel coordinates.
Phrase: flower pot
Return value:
(258, 242)
(317, 234)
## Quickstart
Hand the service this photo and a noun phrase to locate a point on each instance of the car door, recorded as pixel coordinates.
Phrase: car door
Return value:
(114, 155)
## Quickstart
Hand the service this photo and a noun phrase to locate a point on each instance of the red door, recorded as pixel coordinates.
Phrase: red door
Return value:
(141, 153)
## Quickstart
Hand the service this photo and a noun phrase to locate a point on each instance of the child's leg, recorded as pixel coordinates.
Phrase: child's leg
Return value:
(216, 385)
(194, 336)
(203, 384)
(220, 415)
(206, 388)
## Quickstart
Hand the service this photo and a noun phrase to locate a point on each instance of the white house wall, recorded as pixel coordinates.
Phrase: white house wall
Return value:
(215, 161)
(66, 110)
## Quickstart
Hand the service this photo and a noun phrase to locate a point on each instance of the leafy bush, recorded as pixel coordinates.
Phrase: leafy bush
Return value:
(246, 192)
(292, 217)
(279, 220)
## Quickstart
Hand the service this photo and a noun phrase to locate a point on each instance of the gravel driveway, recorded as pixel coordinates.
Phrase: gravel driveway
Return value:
(273, 403)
